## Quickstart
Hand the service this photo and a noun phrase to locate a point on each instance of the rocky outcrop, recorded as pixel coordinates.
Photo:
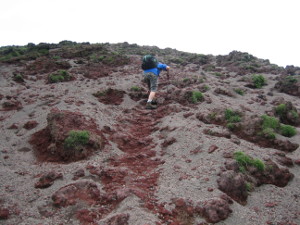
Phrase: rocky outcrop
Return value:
(237, 185)
(50, 144)
(30, 124)
(289, 85)
(287, 113)
(249, 128)
(214, 210)
(244, 63)
(234, 185)
(72, 194)
(110, 96)
(45, 65)
(48, 179)
(11, 105)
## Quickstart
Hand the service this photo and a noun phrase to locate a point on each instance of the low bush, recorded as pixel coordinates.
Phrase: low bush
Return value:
(196, 96)
(289, 80)
(271, 125)
(288, 131)
(269, 133)
(245, 161)
(186, 79)
(270, 122)
(231, 116)
(281, 110)
(135, 88)
(239, 91)
(294, 114)
(258, 80)
(18, 78)
(59, 76)
(218, 74)
(76, 139)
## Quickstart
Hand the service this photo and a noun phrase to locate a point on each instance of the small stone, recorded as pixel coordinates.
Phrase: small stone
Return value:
(210, 189)
(24, 149)
(297, 162)
(271, 204)
(212, 148)
(30, 125)
(4, 213)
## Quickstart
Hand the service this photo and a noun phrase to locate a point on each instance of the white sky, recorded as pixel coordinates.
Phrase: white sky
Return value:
(267, 29)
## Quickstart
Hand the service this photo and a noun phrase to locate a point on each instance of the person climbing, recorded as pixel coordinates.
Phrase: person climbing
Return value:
(152, 69)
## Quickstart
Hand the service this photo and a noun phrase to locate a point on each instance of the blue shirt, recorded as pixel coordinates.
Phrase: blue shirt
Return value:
(157, 70)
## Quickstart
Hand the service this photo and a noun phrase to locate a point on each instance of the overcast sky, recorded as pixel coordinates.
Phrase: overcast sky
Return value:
(267, 29)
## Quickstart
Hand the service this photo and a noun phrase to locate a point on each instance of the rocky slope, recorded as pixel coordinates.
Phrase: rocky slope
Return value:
(79, 147)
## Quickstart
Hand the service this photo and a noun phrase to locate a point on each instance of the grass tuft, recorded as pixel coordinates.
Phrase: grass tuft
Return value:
(258, 80)
(196, 96)
(245, 161)
(76, 139)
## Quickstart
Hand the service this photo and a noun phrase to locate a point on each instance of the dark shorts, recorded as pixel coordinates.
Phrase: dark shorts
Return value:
(152, 80)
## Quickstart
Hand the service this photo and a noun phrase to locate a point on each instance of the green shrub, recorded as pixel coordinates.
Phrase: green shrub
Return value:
(206, 88)
(59, 76)
(196, 96)
(100, 93)
(269, 133)
(258, 80)
(209, 68)
(53, 78)
(186, 80)
(270, 122)
(295, 115)
(18, 78)
(230, 126)
(280, 109)
(239, 91)
(249, 186)
(271, 125)
(76, 139)
(29, 52)
(218, 74)
(212, 115)
(290, 80)
(231, 116)
(288, 131)
(56, 57)
(135, 88)
(244, 161)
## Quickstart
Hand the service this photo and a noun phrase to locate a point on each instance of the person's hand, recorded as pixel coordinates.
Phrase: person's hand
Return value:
(168, 69)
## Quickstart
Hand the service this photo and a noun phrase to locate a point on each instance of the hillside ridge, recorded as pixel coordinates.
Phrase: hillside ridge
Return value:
(79, 147)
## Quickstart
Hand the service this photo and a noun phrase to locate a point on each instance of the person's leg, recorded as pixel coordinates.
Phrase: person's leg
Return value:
(151, 96)
(153, 88)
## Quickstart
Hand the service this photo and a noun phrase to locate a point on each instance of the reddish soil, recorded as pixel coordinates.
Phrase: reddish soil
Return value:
(110, 96)
(129, 170)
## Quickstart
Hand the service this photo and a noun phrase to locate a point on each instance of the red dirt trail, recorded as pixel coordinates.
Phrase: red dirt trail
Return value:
(136, 170)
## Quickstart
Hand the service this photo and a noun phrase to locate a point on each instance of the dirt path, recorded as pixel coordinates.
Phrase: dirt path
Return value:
(136, 171)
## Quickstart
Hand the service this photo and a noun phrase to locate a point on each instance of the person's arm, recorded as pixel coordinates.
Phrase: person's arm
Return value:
(168, 69)
(165, 67)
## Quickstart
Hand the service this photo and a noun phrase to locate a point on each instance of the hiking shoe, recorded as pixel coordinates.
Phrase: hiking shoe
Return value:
(154, 102)
(149, 105)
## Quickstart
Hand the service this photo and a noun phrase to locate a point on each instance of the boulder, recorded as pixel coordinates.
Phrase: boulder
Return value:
(49, 143)
(214, 210)
(71, 194)
(234, 185)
